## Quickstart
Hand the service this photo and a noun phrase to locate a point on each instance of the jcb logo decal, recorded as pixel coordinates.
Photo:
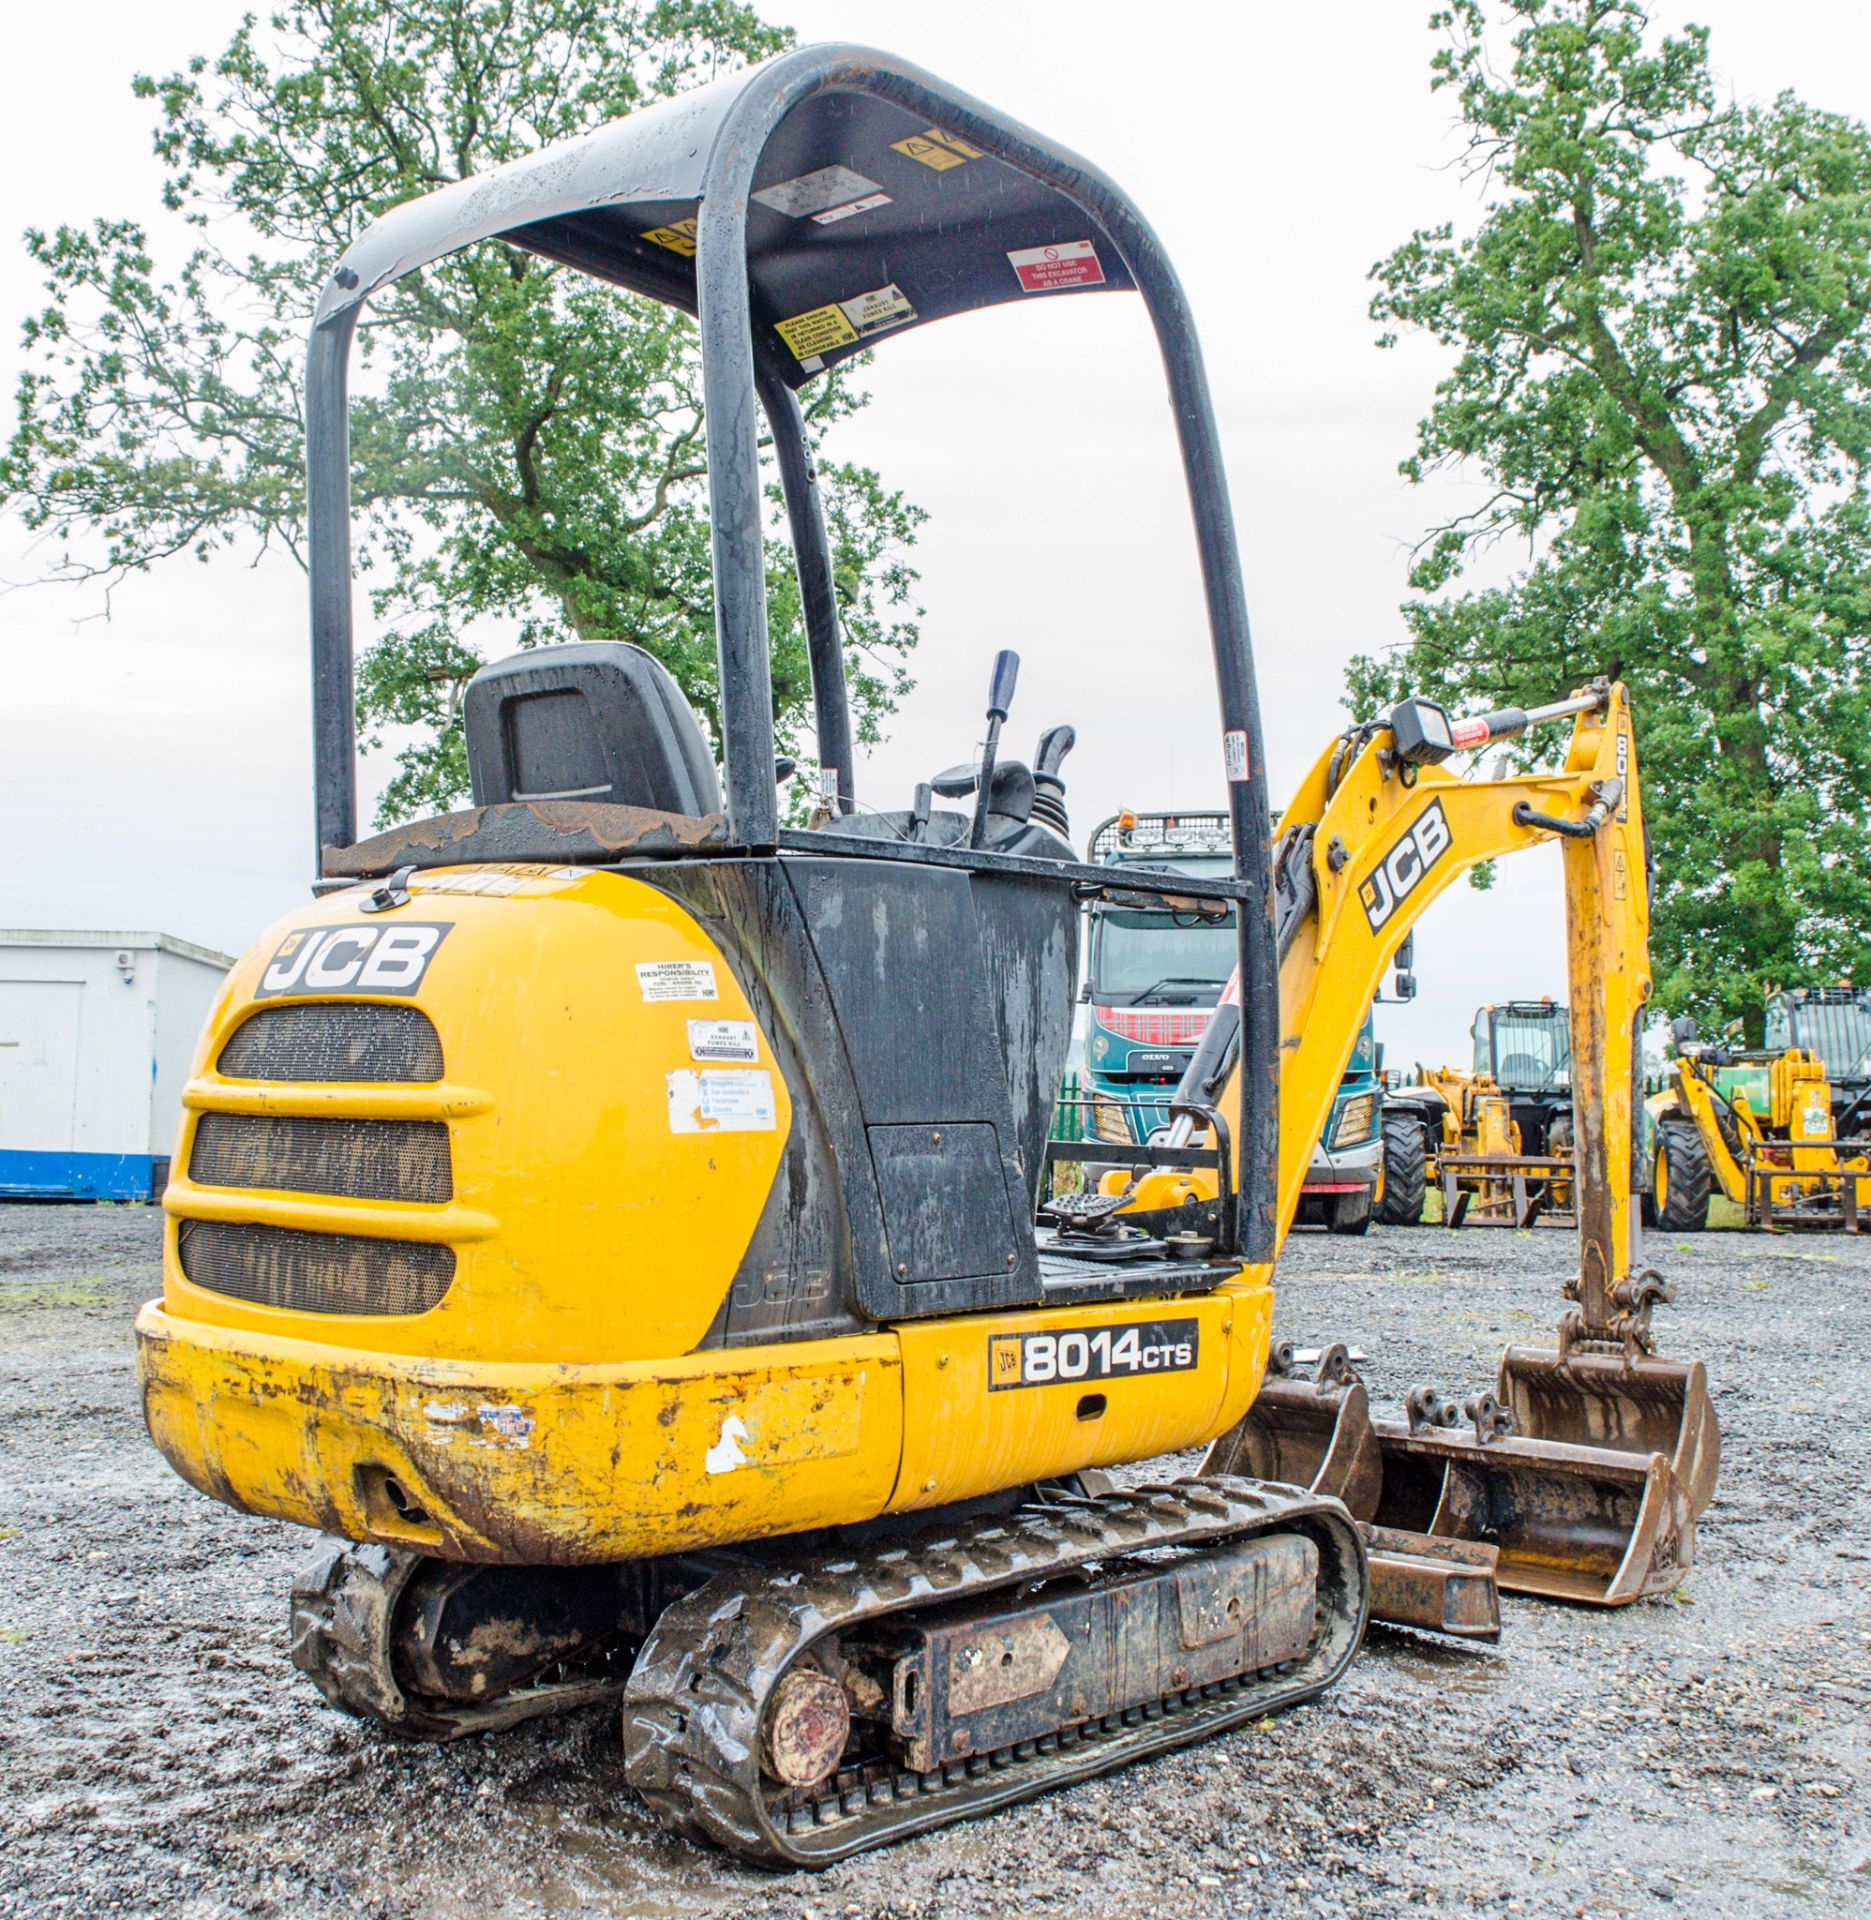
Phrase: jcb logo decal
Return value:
(381, 959)
(1401, 870)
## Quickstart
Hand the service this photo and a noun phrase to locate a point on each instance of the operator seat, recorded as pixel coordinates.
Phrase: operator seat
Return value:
(594, 720)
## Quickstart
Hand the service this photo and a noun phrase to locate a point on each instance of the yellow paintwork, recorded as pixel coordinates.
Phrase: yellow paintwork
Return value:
(553, 1406)
(961, 1439)
(1336, 963)
(565, 1164)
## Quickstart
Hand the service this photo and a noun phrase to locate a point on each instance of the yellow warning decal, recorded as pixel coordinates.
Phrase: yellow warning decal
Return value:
(678, 237)
(844, 322)
(817, 332)
(937, 149)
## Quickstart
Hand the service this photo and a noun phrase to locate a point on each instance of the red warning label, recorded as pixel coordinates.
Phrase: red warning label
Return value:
(1068, 263)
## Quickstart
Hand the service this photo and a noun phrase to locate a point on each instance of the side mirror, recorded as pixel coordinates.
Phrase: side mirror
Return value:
(1404, 986)
(1682, 1029)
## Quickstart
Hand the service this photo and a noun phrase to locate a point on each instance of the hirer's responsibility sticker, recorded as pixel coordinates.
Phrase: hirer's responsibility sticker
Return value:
(722, 1100)
(677, 979)
(832, 193)
(723, 1040)
(1234, 747)
(936, 149)
(843, 323)
(1067, 263)
(385, 958)
(678, 237)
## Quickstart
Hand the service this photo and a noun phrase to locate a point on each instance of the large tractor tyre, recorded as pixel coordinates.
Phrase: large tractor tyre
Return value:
(1406, 1173)
(1351, 1212)
(1681, 1178)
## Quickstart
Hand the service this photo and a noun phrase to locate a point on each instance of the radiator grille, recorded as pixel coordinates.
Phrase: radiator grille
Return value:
(1157, 1026)
(314, 1272)
(334, 1040)
(353, 1159)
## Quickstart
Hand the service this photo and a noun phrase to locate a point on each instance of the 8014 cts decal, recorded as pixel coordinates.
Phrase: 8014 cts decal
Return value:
(1094, 1353)
(381, 959)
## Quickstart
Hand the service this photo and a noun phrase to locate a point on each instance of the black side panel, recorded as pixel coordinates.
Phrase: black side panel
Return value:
(905, 962)
(944, 1200)
(1029, 932)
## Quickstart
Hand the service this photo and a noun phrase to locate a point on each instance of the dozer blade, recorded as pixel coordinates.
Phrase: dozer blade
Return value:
(1638, 1406)
(1315, 1431)
(1593, 1524)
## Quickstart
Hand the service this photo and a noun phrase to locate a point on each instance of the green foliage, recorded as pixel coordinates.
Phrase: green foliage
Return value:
(1664, 373)
(527, 443)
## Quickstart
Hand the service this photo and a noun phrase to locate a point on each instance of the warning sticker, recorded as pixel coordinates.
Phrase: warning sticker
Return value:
(677, 979)
(1069, 263)
(937, 149)
(831, 214)
(722, 1100)
(723, 1040)
(830, 188)
(678, 236)
(844, 323)
(1234, 747)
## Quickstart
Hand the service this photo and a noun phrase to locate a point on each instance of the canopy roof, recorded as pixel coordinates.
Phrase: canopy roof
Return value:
(866, 217)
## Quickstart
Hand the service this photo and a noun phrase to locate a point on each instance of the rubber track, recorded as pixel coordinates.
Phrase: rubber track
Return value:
(343, 1609)
(693, 1708)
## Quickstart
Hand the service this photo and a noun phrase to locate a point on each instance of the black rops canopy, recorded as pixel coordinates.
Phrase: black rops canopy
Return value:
(805, 210)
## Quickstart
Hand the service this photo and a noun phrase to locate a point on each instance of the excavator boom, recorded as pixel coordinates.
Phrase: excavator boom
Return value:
(1588, 1463)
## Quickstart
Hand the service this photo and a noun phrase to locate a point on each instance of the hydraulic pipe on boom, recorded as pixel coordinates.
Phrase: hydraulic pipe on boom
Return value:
(1587, 1465)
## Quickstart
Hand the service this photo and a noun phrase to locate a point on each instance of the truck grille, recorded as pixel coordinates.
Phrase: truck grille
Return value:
(352, 1159)
(1156, 1026)
(334, 1040)
(314, 1272)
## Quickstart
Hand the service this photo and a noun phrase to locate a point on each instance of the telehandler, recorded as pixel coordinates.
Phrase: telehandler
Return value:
(607, 1213)
(1585, 1468)
(1496, 1139)
(1772, 1128)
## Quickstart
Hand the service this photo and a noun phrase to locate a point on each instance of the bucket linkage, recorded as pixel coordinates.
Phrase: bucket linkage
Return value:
(1310, 1426)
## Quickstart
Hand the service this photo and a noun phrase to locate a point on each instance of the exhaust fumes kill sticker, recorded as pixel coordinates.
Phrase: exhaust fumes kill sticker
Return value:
(1234, 748)
(843, 323)
(723, 1040)
(722, 1100)
(677, 979)
(1067, 263)
(386, 958)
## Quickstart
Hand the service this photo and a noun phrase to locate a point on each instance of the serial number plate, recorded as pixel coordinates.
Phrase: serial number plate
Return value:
(1101, 1353)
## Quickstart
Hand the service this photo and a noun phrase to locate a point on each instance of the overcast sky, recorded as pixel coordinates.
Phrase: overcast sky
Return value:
(154, 766)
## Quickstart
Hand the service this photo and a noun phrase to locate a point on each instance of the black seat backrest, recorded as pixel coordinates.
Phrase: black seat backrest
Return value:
(597, 720)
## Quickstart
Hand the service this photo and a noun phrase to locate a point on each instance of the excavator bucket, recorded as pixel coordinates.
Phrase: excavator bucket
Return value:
(1601, 1525)
(1313, 1429)
(1639, 1405)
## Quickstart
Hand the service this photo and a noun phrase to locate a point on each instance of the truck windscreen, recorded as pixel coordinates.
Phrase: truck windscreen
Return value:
(1134, 952)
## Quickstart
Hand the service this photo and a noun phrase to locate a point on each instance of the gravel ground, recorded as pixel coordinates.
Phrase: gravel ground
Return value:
(1703, 1755)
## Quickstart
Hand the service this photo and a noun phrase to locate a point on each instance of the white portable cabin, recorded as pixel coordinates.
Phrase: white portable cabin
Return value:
(96, 1034)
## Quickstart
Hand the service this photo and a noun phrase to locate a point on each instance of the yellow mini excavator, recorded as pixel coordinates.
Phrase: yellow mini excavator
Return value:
(608, 1213)
(1582, 1473)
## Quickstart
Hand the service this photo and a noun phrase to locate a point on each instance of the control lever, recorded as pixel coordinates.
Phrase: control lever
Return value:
(1048, 789)
(999, 700)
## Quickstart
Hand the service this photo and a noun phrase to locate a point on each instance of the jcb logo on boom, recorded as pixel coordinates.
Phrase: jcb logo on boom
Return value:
(382, 959)
(1401, 870)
